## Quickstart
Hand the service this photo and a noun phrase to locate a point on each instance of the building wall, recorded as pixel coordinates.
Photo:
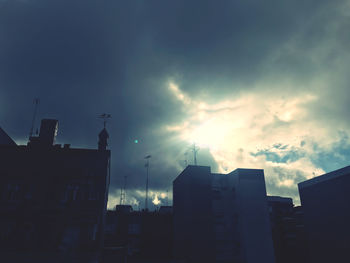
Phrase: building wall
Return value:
(222, 218)
(325, 201)
(193, 228)
(138, 235)
(288, 231)
(52, 199)
(253, 217)
(225, 213)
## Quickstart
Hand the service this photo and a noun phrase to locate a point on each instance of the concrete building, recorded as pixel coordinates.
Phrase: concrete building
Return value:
(138, 236)
(52, 199)
(325, 201)
(221, 218)
(288, 232)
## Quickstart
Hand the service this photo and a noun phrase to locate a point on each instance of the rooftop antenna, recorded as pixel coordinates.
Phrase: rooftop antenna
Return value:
(147, 170)
(105, 118)
(36, 102)
(195, 150)
(123, 192)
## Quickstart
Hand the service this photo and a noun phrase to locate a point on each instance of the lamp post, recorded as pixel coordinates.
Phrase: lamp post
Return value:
(147, 174)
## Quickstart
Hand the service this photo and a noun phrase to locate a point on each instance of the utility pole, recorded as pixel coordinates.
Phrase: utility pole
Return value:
(147, 174)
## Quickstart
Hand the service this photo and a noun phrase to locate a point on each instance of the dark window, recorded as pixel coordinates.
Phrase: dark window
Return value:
(13, 191)
(71, 192)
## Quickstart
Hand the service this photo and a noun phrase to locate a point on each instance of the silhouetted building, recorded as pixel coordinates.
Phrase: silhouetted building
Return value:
(166, 209)
(301, 242)
(221, 218)
(5, 139)
(288, 233)
(138, 235)
(53, 200)
(325, 202)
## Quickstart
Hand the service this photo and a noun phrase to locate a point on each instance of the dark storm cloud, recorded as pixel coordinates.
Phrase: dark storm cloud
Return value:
(83, 58)
(232, 40)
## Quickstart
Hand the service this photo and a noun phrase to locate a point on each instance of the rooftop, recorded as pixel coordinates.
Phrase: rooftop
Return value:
(279, 199)
(5, 139)
(325, 177)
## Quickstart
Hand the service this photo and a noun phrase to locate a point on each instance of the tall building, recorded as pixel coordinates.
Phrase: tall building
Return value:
(288, 232)
(326, 205)
(282, 225)
(53, 199)
(221, 217)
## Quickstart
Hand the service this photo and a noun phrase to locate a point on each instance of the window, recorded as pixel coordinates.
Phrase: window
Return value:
(6, 229)
(92, 194)
(71, 192)
(75, 193)
(13, 191)
(93, 231)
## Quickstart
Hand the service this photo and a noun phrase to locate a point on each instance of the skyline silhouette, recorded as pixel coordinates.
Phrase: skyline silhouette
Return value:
(256, 85)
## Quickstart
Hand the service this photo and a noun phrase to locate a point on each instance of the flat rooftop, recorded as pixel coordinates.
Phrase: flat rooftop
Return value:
(280, 199)
(325, 177)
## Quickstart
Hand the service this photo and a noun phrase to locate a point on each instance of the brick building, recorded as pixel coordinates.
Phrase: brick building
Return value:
(52, 199)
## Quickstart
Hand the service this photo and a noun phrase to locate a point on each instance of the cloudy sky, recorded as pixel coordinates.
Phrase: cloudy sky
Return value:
(255, 84)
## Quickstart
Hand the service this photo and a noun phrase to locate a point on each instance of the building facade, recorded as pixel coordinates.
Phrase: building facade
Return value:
(53, 199)
(326, 205)
(221, 218)
(288, 231)
(138, 236)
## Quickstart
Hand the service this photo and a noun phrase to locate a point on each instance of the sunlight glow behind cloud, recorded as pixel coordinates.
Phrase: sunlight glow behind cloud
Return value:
(257, 131)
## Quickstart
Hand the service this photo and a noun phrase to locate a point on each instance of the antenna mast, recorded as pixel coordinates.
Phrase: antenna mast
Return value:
(36, 101)
(123, 192)
(147, 168)
(195, 150)
(105, 118)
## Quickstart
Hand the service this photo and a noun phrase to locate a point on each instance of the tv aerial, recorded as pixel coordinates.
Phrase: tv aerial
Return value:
(105, 117)
(195, 150)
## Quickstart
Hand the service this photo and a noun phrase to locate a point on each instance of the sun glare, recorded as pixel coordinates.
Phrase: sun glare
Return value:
(245, 122)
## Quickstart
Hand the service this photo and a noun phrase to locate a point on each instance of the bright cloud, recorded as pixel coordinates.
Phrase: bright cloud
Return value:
(136, 198)
(130, 199)
(272, 132)
(156, 201)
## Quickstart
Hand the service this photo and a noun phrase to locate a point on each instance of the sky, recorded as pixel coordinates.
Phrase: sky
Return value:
(254, 84)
